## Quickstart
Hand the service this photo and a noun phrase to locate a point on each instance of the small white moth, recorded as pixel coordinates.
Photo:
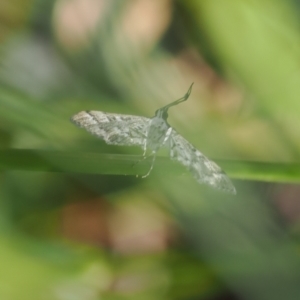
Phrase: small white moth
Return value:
(153, 134)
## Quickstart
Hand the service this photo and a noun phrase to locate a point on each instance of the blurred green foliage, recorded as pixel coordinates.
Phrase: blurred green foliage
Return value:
(72, 226)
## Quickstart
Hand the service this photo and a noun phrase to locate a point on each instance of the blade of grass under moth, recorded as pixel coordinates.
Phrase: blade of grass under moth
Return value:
(119, 164)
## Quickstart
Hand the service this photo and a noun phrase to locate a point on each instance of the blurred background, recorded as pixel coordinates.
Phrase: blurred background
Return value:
(93, 233)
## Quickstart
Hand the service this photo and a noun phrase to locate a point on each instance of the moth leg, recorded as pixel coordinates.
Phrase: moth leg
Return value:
(171, 145)
(153, 153)
(152, 164)
(167, 137)
(144, 154)
(145, 148)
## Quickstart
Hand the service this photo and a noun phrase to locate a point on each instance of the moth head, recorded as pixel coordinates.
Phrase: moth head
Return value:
(162, 113)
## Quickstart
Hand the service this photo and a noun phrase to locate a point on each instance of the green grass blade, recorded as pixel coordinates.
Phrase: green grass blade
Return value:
(119, 164)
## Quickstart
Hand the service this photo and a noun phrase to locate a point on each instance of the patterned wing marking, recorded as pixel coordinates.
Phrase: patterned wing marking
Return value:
(203, 169)
(114, 129)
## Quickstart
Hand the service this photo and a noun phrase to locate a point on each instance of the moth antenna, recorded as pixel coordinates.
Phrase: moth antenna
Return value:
(184, 98)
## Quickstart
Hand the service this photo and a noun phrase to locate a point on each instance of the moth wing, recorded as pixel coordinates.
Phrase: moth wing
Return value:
(203, 169)
(114, 129)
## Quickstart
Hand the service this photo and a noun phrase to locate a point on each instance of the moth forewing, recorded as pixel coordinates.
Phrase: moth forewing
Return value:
(114, 129)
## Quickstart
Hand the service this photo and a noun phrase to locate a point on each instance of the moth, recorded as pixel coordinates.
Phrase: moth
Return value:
(153, 134)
